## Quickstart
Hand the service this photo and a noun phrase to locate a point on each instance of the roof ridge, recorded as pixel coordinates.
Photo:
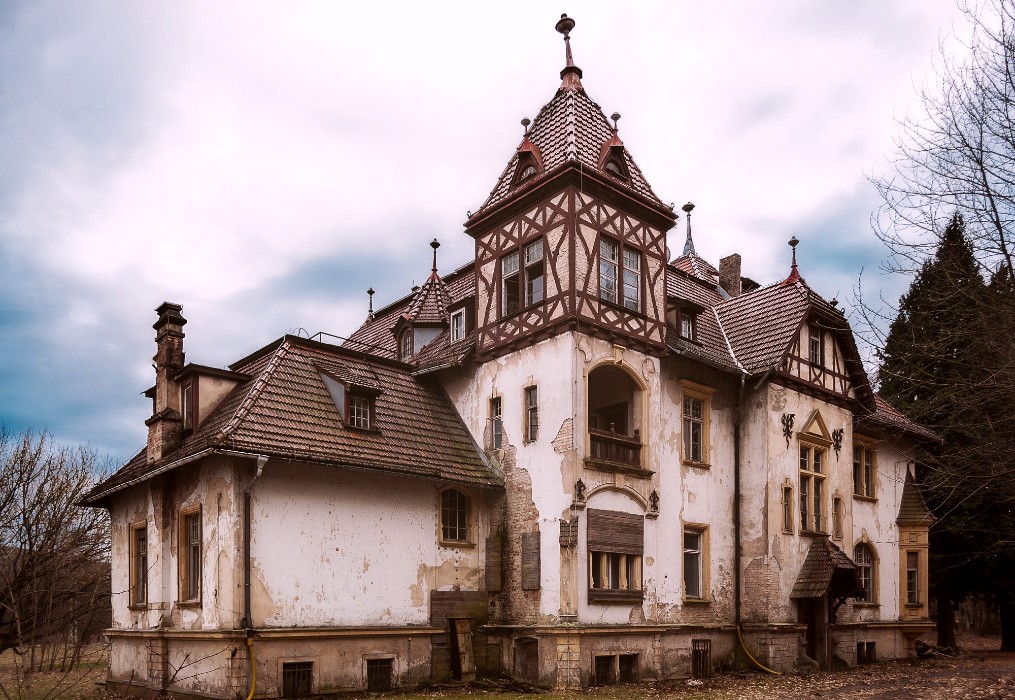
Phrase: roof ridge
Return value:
(255, 390)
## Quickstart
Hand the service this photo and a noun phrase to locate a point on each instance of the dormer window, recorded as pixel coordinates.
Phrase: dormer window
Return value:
(528, 164)
(615, 167)
(528, 171)
(354, 391)
(688, 321)
(457, 325)
(405, 345)
(359, 412)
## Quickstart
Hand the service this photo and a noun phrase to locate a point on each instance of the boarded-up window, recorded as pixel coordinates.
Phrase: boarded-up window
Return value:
(615, 542)
(530, 561)
(494, 565)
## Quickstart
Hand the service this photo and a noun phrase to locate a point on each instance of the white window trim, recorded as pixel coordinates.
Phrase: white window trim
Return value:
(704, 394)
(457, 317)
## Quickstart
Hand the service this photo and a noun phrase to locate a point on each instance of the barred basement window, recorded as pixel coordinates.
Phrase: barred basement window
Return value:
(605, 670)
(866, 653)
(612, 669)
(628, 666)
(379, 675)
(297, 679)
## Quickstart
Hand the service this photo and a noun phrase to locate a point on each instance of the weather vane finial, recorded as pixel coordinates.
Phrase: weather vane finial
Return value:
(435, 245)
(794, 274)
(564, 25)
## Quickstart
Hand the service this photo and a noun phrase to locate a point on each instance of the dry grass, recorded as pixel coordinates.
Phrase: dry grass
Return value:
(78, 683)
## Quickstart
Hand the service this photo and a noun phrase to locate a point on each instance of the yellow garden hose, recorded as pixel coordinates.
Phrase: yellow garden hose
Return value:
(744, 647)
(253, 667)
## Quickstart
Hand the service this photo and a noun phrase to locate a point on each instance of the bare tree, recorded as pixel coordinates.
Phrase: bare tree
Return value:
(54, 555)
(956, 153)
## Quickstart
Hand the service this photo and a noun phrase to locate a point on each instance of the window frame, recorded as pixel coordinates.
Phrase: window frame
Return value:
(619, 296)
(815, 344)
(703, 394)
(496, 422)
(615, 547)
(700, 531)
(137, 547)
(356, 417)
(788, 521)
(457, 317)
(190, 553)
(865, 470)
(405, 343)
(912, 581)
(463, 512)
(837, 516)
(812, 486)
(867, 570)
(188, 405)
(687, 322)
(530, 403)
(517, 291)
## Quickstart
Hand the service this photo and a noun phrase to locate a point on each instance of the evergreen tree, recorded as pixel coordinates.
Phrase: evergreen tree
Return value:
(947, 364)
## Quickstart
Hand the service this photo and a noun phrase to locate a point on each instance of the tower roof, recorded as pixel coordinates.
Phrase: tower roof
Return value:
(571, 127)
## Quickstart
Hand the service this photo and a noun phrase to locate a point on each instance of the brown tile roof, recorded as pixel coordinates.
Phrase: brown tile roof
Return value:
(285, 411)
(912, 508)
(826, 569)
(760, 325)
(570, 127)
(440, 353)
(375, 335)
(887, 417)
(697, 267)
(430, 304)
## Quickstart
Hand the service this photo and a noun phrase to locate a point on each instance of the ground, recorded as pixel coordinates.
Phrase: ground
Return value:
(979, 674)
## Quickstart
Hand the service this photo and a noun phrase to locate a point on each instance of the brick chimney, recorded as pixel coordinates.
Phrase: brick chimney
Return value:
(729, 274)
(166, 421)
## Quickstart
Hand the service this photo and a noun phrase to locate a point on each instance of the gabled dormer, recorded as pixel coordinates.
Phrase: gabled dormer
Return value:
(572, 234)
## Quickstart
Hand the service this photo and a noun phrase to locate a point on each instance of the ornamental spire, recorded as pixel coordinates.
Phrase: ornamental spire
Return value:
(571, 74)
(689, 243)
(794, 274)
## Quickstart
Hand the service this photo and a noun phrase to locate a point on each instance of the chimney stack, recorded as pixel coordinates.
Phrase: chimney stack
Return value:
(166, 421)
(729, 274)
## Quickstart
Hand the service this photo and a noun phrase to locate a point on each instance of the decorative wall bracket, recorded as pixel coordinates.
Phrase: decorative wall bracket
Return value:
(579, 495)
(837, 441)
(653, 505)
(787, 426)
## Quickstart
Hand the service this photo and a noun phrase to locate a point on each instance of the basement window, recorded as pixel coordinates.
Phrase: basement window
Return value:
(379, 674)
(615, 668)
(297, 679)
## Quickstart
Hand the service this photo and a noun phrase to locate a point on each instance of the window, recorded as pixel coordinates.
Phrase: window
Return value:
(687, 322)
(864, 471)
(913, 578)
(405, 345)
(190, 555)
(454, 516)
(613, 167)
(611, 257)
(359, 412)
(815, 344)
(864, 560)
(379, 675)
(457, 325)
(812, 488)
(694, 563)
(534, 272)
(496, 423)
(695, 428)
(528, 171)
(615, 542)
(610, 669)
(138, 564)
(531, 414)
(787, 509)
(187, 406)
(515, 289)
(297, 679)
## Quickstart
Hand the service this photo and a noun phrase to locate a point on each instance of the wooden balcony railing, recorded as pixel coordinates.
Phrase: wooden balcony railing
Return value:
(611, 446)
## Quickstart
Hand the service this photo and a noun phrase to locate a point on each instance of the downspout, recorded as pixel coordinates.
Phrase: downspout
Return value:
(248, 622)
(737, 421)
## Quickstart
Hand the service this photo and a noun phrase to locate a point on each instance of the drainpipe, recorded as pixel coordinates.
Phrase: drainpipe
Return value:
(737, 421)
(248, 622)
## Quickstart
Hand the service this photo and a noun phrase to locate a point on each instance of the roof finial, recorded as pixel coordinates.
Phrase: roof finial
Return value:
(616, 118)
(564, 25)
(689, 244)
(435, 245)
(370, 293)
(525, 124)
(794, 275)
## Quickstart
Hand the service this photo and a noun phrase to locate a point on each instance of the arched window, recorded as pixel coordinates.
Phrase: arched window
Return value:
(454, 516)
(616, 169)
(527, 171)
(405, 345)
(864, 559)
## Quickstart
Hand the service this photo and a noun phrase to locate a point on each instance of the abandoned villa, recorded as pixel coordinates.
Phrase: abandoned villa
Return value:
(575, 460)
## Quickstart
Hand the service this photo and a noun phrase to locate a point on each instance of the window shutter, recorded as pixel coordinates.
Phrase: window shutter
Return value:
(530, 561)
(494, 565)
(610, 531)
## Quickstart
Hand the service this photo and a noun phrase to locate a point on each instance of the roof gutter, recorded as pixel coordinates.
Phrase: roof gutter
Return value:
(148, 475)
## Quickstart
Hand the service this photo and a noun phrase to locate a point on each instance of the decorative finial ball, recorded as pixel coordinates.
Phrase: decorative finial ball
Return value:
(793, 242)
(370, 291)
(434, 244)
(525, 122)
(687, 208)
(564, 25)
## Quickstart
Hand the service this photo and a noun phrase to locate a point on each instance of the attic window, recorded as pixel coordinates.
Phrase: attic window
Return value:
(688, 321)
(615, 167)
(355, 399)
(405, 345)
(528, 170)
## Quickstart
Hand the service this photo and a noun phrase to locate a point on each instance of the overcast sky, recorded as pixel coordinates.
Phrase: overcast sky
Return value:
(263, 163)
